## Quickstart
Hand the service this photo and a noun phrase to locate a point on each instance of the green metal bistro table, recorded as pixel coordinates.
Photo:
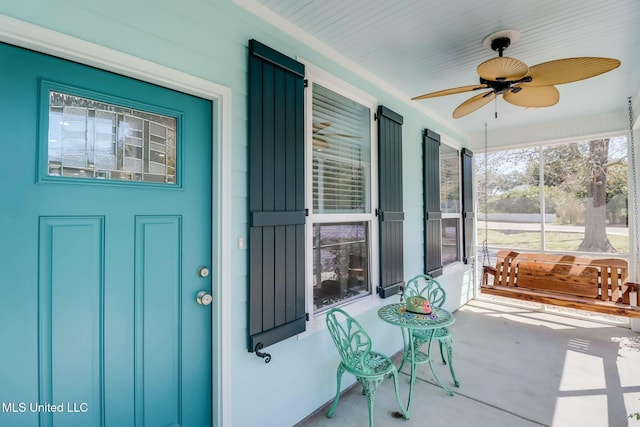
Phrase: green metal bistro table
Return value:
(397, 315)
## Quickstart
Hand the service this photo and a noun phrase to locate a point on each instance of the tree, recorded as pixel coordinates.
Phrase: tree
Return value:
(595, 233)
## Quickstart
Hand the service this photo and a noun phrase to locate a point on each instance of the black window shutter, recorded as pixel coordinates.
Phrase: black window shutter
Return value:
(467, 205)
(390, 215)
(276, 197)
(432, 212)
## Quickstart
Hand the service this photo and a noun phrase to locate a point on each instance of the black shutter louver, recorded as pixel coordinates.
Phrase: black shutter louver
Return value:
(432, 212)
(390, 215)
(468, 215)
(276, 197)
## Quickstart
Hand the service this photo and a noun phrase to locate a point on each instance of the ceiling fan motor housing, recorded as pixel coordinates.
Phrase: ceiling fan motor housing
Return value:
(502, 86)
(498, 87)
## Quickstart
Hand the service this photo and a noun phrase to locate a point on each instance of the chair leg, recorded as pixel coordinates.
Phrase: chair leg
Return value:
(441, 352)
(448, 344)
(395, 385)
(335, 401)
(369, 387)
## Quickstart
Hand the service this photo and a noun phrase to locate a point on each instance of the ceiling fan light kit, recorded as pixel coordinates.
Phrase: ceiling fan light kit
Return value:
(529, 87)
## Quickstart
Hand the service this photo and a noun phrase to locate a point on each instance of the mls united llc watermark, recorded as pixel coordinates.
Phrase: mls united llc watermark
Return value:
(67, 407)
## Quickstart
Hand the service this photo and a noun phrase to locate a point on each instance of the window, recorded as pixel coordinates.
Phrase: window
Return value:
(449, 212)
(98, 140)
(310, 247)
(569, 197)
(450, 204)
(340, 189)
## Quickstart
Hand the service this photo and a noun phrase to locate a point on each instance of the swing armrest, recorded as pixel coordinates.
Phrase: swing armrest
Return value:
(486, 271)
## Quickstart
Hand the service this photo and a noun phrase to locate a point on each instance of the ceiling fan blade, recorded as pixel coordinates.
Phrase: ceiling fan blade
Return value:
(472, 104)
(502, 68)
(569, 70)
(450, 91)
(533, 97)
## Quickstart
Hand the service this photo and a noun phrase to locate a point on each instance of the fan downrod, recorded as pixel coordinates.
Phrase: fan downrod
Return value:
(500, 44)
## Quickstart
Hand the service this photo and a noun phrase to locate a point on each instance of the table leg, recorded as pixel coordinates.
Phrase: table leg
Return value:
(412, 352)
(435, 376)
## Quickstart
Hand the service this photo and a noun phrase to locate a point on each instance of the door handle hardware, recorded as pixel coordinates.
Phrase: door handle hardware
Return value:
(204, 298)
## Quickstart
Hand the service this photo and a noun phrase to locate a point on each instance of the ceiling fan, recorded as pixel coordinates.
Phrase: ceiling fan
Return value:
(519, 84)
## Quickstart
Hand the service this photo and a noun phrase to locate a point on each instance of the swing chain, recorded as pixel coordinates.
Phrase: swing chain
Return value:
(635, 185)
(485, 247)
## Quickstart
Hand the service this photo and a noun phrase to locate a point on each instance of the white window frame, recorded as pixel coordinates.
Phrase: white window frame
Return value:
(450, 143)
(318, 76)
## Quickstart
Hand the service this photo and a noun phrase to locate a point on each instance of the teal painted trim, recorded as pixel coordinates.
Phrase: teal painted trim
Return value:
(42, 165)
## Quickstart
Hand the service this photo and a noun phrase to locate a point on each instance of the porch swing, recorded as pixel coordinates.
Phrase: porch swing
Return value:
(597, 285)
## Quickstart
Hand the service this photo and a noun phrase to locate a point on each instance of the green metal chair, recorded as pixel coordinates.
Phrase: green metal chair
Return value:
(429, 288)
(369, 367)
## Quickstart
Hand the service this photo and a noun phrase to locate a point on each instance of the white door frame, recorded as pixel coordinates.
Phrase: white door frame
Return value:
(23, 34)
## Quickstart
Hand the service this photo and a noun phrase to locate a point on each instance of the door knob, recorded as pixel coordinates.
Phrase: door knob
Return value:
(204, 298)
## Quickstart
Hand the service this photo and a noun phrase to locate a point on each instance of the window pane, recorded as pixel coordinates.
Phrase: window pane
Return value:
(512, 196)
(93, 139)
(340, 263)
(449, 180)
(586, 196)
(450, 238)
(341, 154)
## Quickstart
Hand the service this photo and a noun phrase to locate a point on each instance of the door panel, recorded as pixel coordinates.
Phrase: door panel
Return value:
(70, 261)
(98, 278)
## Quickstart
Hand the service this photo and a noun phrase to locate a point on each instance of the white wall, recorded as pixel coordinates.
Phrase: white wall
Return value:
(209, 40)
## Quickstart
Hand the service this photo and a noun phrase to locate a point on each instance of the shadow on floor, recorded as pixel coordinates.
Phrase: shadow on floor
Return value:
(517, 367)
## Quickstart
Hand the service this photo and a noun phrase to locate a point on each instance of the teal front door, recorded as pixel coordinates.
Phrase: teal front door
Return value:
(105, 245)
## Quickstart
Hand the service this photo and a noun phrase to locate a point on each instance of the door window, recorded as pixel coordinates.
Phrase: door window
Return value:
(88, 138)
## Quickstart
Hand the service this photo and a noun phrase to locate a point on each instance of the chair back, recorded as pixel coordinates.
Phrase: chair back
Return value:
(425, 286)
(352, 342)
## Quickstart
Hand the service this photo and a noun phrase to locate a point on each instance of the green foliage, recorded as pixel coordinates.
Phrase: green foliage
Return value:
(516, 201)
(617, 191)
(520, 200)
(568, 207)
(513, 178)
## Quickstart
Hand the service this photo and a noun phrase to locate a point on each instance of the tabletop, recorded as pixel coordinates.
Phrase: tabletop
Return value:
(396, 314)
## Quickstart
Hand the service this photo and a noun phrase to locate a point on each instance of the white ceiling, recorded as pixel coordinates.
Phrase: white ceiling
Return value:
(420, 46)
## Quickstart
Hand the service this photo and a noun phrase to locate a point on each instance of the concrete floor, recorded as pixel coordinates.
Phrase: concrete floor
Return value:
(517, 367)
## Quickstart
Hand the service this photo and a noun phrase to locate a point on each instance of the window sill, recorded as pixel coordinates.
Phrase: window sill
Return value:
(318, 323)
